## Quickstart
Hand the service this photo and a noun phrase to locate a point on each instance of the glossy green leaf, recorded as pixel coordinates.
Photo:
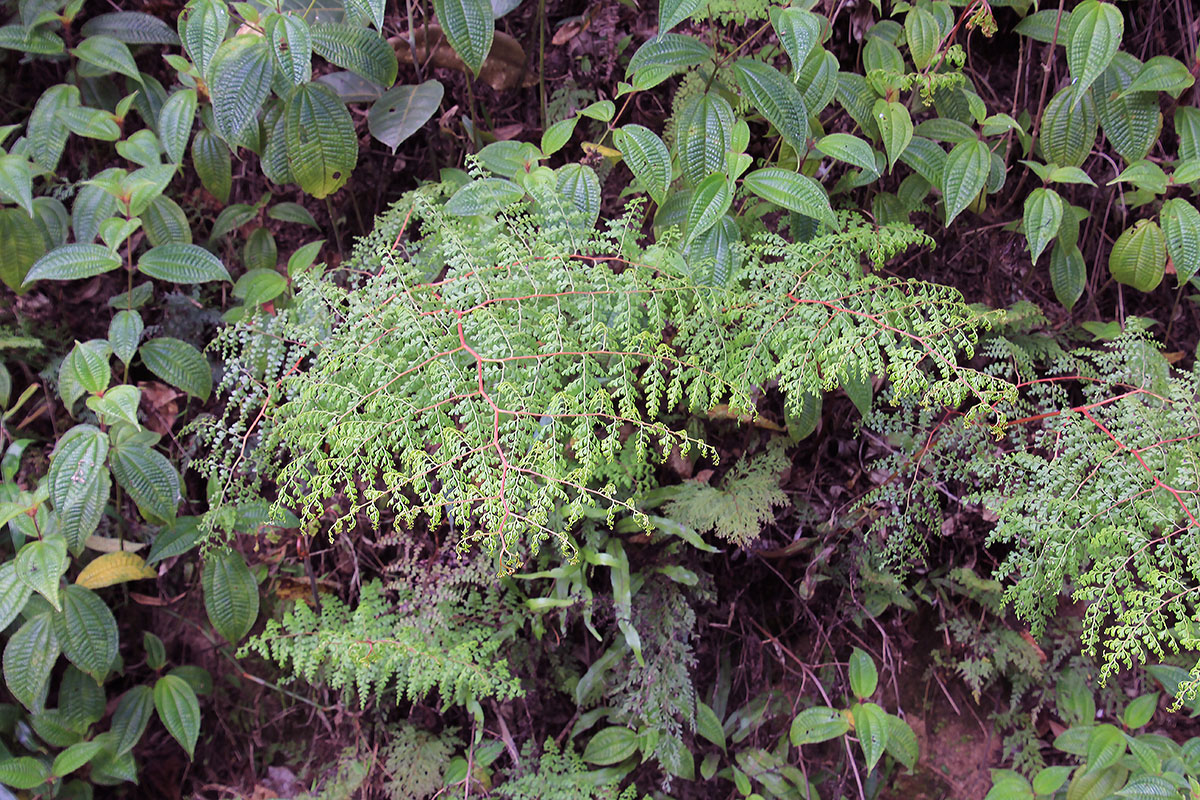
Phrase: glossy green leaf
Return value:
(165, 222)
(74, 757)
(557, 135)
(36, 40)
(799, 32)
(183, 534)
(1041, 26)
(710, 201)
(819, 80)
(322, 148)
(1106, 745)
(714, 249)
(1139, 256)
(673, 51)
(611, 746)
(142, 148)
(14, 593)
(79, 488)
(22, 244)
(80, 699)
(863, 676)
(403, 110)
(149, 479)
(708, 726)
(1092, 39)
(1068, 274)
(1148, 787)
(130, 27)
(792, 191)
(895, 128)
(202, 27)
(72, 262)
(1068, 130)
(673, 12)
(850, 149)
(260, 251)
(469, 27)
(130, 718)
(1140, 711)
(1043, 215)
(292, 212)
(818, 724)
(241, 81)
(179, 364)
(85, 369)
(25, 772)
(1161, 74)
(92, 206)
(182, 263)
(120, 403)
(1187, 128)
(1050, 779)
(1145, 175)
(902, 742)
(964, 176)
(46, 132)
(1181, 229)
(1132, 121)
(16, 181)
(776, 97)
(647, 158)
(179, 710)
(365, 53)
(871, 728)
(703, 134)
(91, 123)
(213, 163)
(230, 595)
(175, 120)
(28, 658)
(291, 47)
(86, 631)
(486, 196)
(580, 184)
(923, 36)
(260, 286)
(108, 55)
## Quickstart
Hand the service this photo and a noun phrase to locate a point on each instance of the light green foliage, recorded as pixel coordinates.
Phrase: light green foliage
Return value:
(416, 761)
(558, 775)
(738, 509)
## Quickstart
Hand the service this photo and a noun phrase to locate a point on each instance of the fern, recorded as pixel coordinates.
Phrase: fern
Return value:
(741, 506)
(559, 775)
(415, 761)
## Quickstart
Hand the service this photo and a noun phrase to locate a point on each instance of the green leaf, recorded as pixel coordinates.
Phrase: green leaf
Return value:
(291, 47)
(108, 55)
(1181, 228)
(469, 27)
(130, 27)
(792, 191)
(1069, 175)
(143, 185)
(230, 595)
(14, 593)
(241, 81)
(1140, 711)
(863, 676)
(673, 12)
(710, 201)
(74, 757)
(1139, 256)
(402, 110)
(1041, 25)
(922, 33)
(704, 132)
(611, 746)
(260, 286)
(117, 404)
(799, 32)
(1187, 128)
(601, 110)
(1148, 787)
(86, 631)
(175, 123)
(92, 206)
(293, 212)
(715, 247)
(776, 97)
(202, 27)
(213, 163)
(1068, 274)
(647, 158)
(1093, 36)
(1161, 74)
(72, 262)
(149, 479)
(818, 724)
(1050, 779)
(964, 176)
(303, 257)
(182, 263)
(708, 725)
(28, 658)
(16, 181)
(557, 135)
(85, 369)
(22, 244)
(895, 128)
(871, 728)
(179, 710)
(36, 41)
(91, 123)
(142, 148)
(579, 183)
(1106, 745)
(902, 742)
(80, 699)
(673, 51)
(165, 223)
(1145, 175)
(79, 488)
(46, 132)
(1043, 215)
(260, 251)
(180, 537)
(1010, 786)
(25, 772)
(322, 148)
(130, 718)
(365, 53)
(485, 196)
(1068, 130)
(179, 364)
(230, 219)
(850, 149)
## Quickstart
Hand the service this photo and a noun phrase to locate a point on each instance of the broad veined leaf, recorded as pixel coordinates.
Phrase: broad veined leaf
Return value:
(46, 132)
(259, 286)
(142, 185)
(902, 742)
(1139, 256)
(71, 262)
(819, 724)
(611, 746)
(24, 772)
(557, 135)
(292, 212)
(1093, 36)
(708, 725)
(291, 46)
(819, 80)
(322, 149)
(922, 33)
(864, 678)
(703, 134)
(182, 263)
(14, 593)
(671, 50)
(130, 27)
(28, 658)
(120, 403)
(360, 50)
(1068, 131)
(92, 206)
(1161, 74)
(850, 149)
(149, 479)
(964, 176)
(90, 123)
(125, 334)
(507, 158)
(108, 55)
(213, 163)
(673, 12)
(86, 631)
(792, 191)
(1106, 745)
(1131, 121)
(75, 757)
(179, 710)
(202, 27)
(183, 534)
(22, 243)
(710, 201)
(647, 158)
(579, 183)
(1041, 26)
(715, 248)
(36, 40)
(895, 128)
(142, 148)
(230, 594)
(179, 364)
(776, 97)
(79, 487)
(130, 718)
(241, 81)
(871, 727)
(261, 251)
(402, 110)
(1181, 229)
(880, 55)
(486, 196)
(175, 120)
(942, 129)
(80, 699)
(469, 27)
(85, 369)
(1145, 175)
(799, 32)
(1043, 215)
(1068, 274)
(165, 223)
(16, 181)
(113, 568)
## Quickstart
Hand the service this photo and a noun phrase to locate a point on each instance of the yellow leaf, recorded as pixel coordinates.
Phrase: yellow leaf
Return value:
(112, 568)
(104, 544)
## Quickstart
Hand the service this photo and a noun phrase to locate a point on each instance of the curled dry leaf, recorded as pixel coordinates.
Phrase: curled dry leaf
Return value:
(504, 67)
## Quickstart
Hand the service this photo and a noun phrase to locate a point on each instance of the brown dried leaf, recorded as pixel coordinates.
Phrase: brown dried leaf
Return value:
(504, 67)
